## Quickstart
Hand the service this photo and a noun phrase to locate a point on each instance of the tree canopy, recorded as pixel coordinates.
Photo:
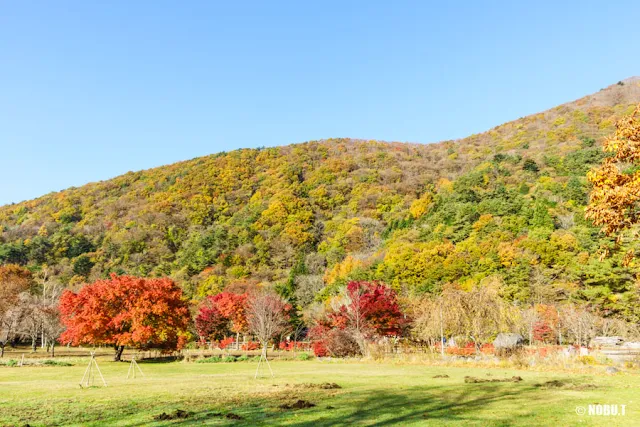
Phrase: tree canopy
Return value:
(126, 311)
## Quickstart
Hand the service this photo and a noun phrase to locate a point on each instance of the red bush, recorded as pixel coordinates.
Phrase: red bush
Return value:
(250, 346)
(225, 343)
(461, 351)
(319, 348)
(487, 348)
(542, 332)
(293, 345)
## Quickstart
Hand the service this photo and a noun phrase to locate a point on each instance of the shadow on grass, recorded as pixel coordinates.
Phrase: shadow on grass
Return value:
(162, 359)
(428, 404)
(433, 404)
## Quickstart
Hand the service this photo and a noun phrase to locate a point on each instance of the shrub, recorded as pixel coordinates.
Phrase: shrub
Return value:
(50, 362)
(293, 345)
(319, 348)
(242, 358)
(487, 348)
(340, 344)
(304, 356)
(543, 332)
(250, 346)
(530, 165)
(228, 359)
(225, 343)
(214, 359)
(461, 351)
(587, 360)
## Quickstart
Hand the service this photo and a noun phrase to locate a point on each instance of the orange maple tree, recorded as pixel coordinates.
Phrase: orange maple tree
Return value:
(126, 311)
(234, 308)
(13, 281)
(615, 199)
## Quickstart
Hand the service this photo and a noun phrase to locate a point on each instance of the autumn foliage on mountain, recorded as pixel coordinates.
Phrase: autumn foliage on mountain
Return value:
(126, 311)
(506, 205)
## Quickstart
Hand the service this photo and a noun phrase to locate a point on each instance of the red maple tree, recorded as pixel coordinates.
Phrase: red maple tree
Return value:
(126, 311)
(221, 314)
(210, 323)
(371, 307)
(369, 310)
(233, 307)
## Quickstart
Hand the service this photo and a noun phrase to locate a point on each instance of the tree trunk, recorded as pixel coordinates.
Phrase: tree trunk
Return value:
(119, 350)
(441, 334)
(362, 343)
(2, 349)
(34, 344)
(52, 346)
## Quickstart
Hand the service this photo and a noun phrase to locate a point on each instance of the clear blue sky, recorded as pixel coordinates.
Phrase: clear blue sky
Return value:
(92, 89)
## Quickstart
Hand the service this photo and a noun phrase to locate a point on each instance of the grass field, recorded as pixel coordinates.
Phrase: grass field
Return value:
(377, 394)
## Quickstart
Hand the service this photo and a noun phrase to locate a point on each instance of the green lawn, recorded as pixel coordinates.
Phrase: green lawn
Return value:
(370, 394)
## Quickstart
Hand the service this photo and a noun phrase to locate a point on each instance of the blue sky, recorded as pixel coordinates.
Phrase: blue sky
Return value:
(90, 90)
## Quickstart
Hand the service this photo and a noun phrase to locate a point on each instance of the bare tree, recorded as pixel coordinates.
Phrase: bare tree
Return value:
(9, 323)
(14, 281)
(52, 327)
(267, 318)
(580, 323)
(525, 321)
(30, 322)
(50, 291)
(40, 316)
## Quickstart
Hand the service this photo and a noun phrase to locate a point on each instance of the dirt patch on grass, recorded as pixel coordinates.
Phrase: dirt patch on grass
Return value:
(178, 414)
(474, 380)
(323, 386)
(566, 385)
(229, 416)
(232, 416)
(300, 404)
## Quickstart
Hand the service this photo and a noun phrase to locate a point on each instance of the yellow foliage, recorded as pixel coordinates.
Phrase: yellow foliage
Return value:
(508, 254)
(445, 185)
(342, 269)
(559, 121)
(421, 206)
(482, 222)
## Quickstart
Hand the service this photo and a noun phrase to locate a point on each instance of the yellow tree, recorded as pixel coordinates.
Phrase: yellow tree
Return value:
(615, 199)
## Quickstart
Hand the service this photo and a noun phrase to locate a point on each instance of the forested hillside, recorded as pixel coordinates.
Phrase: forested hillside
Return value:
(506, 205)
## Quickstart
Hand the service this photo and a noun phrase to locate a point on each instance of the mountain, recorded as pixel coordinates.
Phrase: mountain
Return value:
(506, 204)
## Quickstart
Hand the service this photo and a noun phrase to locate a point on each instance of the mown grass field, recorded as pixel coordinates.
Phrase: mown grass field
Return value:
(377, 394)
